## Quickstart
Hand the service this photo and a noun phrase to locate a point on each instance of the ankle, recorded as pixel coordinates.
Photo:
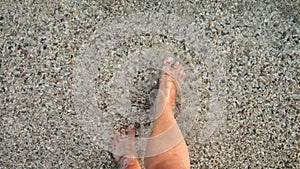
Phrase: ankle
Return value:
(130, 163)
(134, 164)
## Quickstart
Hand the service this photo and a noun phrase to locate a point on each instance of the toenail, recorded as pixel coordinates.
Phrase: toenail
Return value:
(176, 65)
(131, 126)
(168, 60)
(123, 131)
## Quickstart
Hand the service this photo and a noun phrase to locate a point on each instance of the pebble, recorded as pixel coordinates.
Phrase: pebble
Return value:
(255, 43)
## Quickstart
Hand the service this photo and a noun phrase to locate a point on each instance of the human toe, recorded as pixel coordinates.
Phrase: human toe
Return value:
(182, 76)
(168, 61)
(176, 65)
(123, 131)
(131, 130)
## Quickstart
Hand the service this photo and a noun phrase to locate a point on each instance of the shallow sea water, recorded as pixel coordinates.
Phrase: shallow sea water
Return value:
(73, 72)
(116, 83)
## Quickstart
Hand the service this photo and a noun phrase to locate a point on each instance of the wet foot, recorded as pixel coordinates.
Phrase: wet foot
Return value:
(172, 77)
(123, 148)
(166, 142)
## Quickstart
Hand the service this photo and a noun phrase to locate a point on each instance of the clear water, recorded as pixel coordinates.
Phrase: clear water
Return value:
(116, 77)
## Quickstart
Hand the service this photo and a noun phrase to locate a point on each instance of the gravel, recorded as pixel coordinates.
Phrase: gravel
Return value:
(245, 69)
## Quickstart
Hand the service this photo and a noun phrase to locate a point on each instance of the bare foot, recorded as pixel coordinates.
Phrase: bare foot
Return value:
(123, 148)
(172, 77)
(166, 147)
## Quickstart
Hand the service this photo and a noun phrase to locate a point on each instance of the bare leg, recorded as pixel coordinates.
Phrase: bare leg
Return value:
(166, 147)
(123, 148)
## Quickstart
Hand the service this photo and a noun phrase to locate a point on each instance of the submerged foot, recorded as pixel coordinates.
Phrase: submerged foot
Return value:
(123, 147)
(166, 147)
(172, 77)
